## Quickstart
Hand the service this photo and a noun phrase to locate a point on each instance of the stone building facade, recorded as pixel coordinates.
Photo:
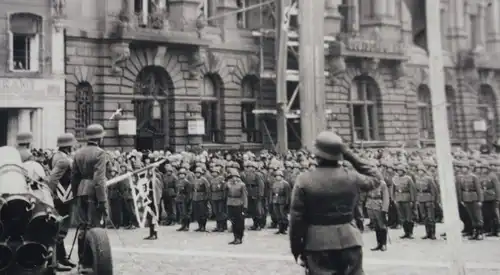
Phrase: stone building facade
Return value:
(162, 63)
(31, 72)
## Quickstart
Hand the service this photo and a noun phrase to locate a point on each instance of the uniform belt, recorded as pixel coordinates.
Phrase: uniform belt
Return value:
(318, 220)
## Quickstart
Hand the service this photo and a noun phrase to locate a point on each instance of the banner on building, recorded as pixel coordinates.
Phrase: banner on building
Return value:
(142, 184)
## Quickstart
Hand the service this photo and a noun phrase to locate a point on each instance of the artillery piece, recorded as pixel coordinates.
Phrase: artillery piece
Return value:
(29, 223)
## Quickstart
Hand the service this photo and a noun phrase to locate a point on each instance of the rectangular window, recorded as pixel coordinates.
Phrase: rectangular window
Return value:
(425, 122)
(371, 120)
(358, 118)
(209, 114)
(249, 124)
(25, 52)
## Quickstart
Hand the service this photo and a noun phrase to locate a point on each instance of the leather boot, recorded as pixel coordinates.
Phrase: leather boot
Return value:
(218, 227)
(427, 232)
(256, 225)
(281, 229)
(204, 225)
(383, 239)
(273, 225)
(199, 227)
(480, 235)
(263, 222)
(433, 232)
(379, 241)
(411, 225)
(473, 235)
(494, 230)
(183, 226)
(153, 235)
(406, 231)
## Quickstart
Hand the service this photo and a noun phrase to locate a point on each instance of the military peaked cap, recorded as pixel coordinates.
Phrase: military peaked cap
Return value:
(24, 137)
(329, 146)
(66, 140)
(94, 131)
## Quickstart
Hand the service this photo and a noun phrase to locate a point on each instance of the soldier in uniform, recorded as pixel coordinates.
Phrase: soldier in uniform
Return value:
(491, 187)
(183, 199)
(255, 187)
(472, 196)
(59, 181)
(322, 230)
(218, 200)
(24, 141)
(237, 204)
(405, 197)
(201, 195)
(88, 181)
(115, 201)
(169, 192)
(377, 206)
(281, 195)
(269, 179)
(427, 197)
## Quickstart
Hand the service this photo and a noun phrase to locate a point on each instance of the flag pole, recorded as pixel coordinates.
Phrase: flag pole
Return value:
(442, 138)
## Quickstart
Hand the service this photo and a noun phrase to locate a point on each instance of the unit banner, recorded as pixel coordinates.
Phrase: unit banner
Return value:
(142, 184)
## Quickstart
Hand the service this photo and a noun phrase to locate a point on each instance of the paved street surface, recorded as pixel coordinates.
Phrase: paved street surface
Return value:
(265, 253)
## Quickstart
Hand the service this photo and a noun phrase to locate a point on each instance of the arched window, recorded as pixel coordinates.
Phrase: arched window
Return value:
(451, 111)
(210, 109)
(424, 105)
(24, 42)
(487, 111)
(84, 108)
(363, 103)
(249, 121)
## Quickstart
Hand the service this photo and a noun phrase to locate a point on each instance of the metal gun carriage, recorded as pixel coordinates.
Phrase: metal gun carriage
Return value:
(29, 223)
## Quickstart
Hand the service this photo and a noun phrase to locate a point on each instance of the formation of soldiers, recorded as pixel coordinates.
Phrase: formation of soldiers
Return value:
(232, 186)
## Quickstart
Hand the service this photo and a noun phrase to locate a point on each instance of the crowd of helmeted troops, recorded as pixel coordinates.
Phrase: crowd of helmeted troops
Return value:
(192, 188)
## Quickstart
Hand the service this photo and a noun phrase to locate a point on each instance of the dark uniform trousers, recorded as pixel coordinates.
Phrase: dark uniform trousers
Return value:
(129, 218)
(350, 260)
(472, 197)
(65, 210)
(219, 210)
(183, 201)
(491, 187)
(87, 213)
(235, 215)
(115, 206)
(169, 205)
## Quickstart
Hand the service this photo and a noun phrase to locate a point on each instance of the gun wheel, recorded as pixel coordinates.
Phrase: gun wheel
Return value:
(98, 252)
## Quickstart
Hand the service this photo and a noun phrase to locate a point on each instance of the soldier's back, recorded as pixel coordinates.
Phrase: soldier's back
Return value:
(330, 194)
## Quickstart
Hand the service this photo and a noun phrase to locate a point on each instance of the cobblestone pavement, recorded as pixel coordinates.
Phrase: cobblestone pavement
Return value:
(265, 253)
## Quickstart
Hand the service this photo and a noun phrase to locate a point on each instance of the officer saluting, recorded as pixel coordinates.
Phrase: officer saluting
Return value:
(59, 183)
(24, 141)
(322, 230)
(88, 182)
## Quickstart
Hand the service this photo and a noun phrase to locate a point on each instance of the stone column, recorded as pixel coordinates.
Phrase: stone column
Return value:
(229, 21)
(57, 44)
(332, 17)
(456, 31)
(392, 8)
(481, 25)
(493, 36)
(184, 12)
(12, 127)
(24, 120)
(380, 9)
(37, 128)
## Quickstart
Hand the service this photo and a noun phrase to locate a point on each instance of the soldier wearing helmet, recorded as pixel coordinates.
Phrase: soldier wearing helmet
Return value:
(491, 187)
(269, 180)
(471, 194)
(23, 141)
(237, 203)
(321, 221)
(218, 200)
(201, 196)
(281, 192)
(59, 181)
(255, 187)
(377, 206)
(169, 193)
(427, 197)
(405, 196)
(88, 180)
(184, 189)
